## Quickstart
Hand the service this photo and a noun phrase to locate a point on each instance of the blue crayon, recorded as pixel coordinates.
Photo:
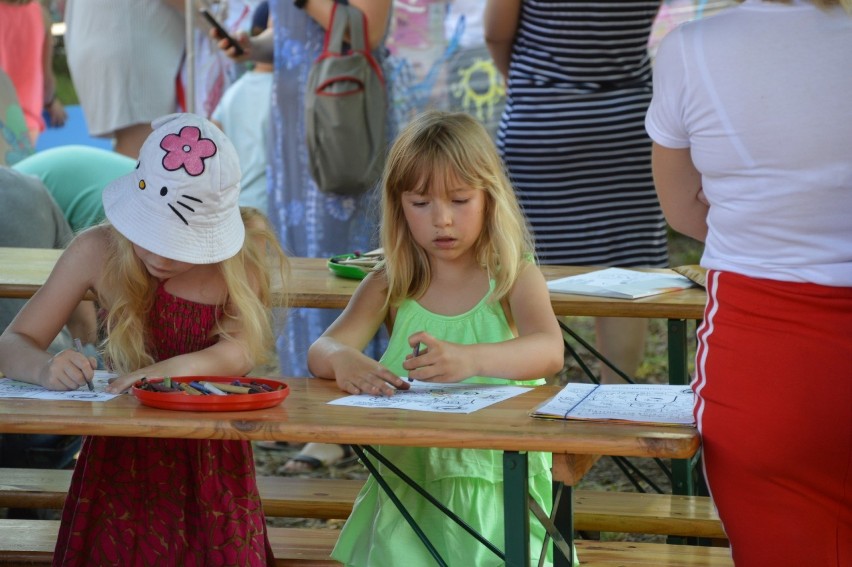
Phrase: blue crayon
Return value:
(200, 388)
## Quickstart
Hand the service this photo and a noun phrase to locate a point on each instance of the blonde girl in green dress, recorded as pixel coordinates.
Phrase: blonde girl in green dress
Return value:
(459, 286)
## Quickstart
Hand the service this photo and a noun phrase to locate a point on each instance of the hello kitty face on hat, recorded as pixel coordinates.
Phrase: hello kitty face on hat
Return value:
(186, 150)
(181, 201)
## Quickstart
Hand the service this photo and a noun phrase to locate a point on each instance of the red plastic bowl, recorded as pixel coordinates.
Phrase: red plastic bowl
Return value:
(232, 402)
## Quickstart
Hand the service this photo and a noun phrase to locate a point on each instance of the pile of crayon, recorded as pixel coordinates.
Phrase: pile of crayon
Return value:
(204, 388)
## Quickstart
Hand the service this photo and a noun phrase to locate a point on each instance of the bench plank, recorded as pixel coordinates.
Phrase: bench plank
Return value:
(293, 497)
(33, 488)
(638, 512)
(31, 542)
(621, 553)
(288, 497)
(320, 498)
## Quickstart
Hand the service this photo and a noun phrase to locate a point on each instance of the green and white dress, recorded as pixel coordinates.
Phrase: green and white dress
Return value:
(467, 481)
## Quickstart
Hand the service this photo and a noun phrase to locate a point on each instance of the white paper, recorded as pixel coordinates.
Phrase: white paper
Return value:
(646, 403)
(14, 389)
(444, 398)
(620, 283)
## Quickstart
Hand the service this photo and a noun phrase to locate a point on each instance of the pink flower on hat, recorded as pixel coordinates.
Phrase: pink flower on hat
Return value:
(187, 150)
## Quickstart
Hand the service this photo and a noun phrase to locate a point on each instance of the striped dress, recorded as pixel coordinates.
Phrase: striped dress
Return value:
(572, 133)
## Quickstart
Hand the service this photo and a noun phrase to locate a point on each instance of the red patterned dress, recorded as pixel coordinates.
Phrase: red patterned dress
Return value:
(182, 502)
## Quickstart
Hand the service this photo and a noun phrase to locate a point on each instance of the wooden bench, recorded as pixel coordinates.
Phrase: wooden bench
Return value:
(31, 542)
(292, 497)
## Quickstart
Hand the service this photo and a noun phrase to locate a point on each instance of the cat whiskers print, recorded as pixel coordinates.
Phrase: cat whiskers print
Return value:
(186, 150)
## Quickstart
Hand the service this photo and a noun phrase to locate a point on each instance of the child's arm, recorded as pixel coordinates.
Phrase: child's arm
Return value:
(337, 354)
(23, 345)
(536, 352)
(228, 357)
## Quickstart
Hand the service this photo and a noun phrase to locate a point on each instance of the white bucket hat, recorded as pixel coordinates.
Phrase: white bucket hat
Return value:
(181, 202)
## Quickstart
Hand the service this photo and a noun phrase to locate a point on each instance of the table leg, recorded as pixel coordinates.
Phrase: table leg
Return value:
(516, 509)
(682, 469)
(568, 470)
(362, 451)
(678, 363)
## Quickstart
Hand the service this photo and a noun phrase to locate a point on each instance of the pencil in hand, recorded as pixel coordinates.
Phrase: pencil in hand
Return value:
(78, 346)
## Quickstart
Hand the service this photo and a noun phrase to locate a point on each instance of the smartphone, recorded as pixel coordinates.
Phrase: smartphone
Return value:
(220, 31)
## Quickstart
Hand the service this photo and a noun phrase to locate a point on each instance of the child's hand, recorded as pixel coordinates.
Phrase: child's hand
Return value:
(56, 113)
(120, 384)
(68, 370)
(439, 361)
(363, 375)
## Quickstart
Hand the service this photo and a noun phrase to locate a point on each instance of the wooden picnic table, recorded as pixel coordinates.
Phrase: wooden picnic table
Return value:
(305, 416)
(24, 270)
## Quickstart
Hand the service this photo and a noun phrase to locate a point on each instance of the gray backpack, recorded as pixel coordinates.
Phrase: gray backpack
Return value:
(346, 109)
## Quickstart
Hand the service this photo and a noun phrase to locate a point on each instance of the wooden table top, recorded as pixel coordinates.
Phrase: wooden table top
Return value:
(305, 416)
(24, 270)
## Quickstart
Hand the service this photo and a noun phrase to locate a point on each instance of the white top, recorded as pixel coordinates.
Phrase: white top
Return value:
(124, 56)
(243, 113)
(762, 94)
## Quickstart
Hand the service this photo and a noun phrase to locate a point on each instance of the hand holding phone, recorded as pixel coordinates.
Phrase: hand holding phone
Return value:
(221, 32)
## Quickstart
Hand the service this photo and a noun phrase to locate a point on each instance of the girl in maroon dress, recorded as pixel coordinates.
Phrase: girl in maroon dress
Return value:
(184, 277)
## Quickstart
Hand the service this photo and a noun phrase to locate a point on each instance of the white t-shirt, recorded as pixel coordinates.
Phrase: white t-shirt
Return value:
(762, 95)
(244, 114)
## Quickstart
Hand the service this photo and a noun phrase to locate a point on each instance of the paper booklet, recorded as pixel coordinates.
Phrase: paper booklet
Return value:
(620, 283)
(635, 403)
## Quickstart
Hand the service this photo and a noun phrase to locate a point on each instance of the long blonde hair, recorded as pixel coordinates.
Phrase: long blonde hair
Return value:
(450, 145)
(129, 295)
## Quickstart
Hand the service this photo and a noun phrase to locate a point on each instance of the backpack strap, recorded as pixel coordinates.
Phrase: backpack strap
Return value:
(336, 29)
(345, 17)
(357, 29)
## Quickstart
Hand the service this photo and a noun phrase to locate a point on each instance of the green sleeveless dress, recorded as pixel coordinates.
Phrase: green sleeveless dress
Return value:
(467, 481)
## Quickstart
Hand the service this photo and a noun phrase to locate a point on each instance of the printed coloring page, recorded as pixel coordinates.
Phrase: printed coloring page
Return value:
(444, 398)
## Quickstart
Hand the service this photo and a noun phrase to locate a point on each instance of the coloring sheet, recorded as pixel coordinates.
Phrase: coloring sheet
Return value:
(443, 398)
(645, 403)
(13, 389)
(621, 283)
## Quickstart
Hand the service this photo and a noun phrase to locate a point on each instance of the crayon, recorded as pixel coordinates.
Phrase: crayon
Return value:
(233, 388)
(415, 354)
(199, 387)
(213, 389)
(78, 346)
(254, 388)
(189, 389)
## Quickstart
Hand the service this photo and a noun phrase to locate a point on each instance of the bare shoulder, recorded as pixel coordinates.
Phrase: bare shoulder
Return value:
(530, 289)
(89, 249)
(530, 277)
(80, 267)
(373, 289)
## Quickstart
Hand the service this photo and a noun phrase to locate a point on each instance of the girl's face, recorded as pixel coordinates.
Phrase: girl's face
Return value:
(446, 221)
(160, 267)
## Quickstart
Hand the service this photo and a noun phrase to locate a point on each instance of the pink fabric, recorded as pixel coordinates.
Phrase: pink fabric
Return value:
(139, 502)
(774, 407)
(22, 36)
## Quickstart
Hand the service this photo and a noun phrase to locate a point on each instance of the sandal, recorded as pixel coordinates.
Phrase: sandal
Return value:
(308, 463)
(272, 445)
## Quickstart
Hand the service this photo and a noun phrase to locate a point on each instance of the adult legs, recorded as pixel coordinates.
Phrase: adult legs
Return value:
(129, 140)
(621, 340)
